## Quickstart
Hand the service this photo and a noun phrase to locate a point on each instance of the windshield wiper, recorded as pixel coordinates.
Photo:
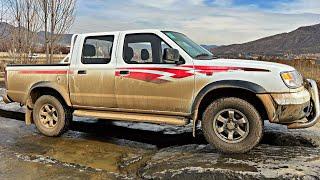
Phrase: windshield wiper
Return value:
(202, 55)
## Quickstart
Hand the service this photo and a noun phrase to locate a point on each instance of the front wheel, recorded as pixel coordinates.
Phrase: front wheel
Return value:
(51, 116)
(232, 125)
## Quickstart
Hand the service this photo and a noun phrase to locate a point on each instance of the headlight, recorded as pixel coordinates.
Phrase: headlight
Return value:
(292, 79)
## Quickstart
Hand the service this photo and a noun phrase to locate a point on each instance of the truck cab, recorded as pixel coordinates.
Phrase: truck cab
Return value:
(163, 77)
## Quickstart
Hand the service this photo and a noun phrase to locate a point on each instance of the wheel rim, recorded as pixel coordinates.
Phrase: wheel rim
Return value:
(48, 116)
(231, 125)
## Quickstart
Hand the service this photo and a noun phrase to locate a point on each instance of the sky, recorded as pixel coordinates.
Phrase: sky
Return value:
(212, 22)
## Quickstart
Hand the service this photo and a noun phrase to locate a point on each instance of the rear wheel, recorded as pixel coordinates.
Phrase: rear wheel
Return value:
(232, 125)
(51, 116)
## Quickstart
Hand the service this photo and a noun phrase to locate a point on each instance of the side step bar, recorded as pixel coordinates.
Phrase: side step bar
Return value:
(135, 117)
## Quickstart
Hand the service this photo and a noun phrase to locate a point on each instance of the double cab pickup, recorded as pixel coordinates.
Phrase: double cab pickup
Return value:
(163, 77)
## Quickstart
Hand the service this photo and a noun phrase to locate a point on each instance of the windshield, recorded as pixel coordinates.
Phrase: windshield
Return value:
(192, 48)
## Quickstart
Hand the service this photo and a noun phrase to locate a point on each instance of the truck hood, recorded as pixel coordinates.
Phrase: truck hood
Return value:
(270, 66)
(264, 74)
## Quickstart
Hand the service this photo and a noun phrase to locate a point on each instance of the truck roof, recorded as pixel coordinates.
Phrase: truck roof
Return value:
(126, 31)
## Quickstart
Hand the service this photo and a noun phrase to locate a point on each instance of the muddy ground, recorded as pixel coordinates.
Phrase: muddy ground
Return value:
(100, 149)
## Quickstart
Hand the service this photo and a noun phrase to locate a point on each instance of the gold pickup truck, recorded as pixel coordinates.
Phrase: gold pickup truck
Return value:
(163, 77)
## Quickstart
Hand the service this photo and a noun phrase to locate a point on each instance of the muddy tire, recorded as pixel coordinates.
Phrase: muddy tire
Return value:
(232, 125)
(51, 116)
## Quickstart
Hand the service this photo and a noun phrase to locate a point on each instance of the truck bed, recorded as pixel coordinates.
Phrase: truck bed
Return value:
(19, 65)
(21, 78)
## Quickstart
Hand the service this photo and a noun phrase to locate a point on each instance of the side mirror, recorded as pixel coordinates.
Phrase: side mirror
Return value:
(172, 55)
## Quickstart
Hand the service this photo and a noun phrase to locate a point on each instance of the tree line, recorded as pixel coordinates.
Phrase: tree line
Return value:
(28, 17)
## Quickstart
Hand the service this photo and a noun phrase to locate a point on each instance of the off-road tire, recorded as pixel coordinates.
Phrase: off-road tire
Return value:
(255, 125)
(63, 112)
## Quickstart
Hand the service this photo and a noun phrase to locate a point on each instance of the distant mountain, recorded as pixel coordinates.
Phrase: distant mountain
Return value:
(209, 47)
(300, 41)
(64, 40)
(6, 29)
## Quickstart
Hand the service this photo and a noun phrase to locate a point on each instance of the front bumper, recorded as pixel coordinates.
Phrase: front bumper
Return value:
(296, 110)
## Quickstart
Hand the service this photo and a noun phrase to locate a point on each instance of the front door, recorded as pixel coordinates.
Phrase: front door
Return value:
(145, 81)
(92, 82)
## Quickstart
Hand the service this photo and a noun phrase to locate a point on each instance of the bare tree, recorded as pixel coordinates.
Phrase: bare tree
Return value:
(58, 17)
(26, 22)
(31, 23)
(43, 14)
(16, 15)
(4, 28)
(3, 17)
(30, 16)
(62, 18)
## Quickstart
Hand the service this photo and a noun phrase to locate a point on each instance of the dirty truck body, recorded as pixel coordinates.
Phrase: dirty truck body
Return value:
(163, 77)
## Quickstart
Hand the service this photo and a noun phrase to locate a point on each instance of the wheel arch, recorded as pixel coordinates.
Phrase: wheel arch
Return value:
(47, 88)
(44, 88)
(227, 88)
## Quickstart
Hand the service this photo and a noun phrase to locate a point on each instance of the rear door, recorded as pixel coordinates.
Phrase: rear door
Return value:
(145, 81)
(92, 81)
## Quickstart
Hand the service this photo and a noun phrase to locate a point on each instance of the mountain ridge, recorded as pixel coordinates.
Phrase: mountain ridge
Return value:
(305, 39)
(6, 33)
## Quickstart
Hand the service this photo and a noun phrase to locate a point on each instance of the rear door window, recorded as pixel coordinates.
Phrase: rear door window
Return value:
(97, 50)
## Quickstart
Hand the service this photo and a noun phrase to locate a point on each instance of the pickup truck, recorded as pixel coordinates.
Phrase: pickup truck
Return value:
(163, 77)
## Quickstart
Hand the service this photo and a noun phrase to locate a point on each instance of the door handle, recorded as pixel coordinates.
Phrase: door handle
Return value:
(124, 73)
(82, 72)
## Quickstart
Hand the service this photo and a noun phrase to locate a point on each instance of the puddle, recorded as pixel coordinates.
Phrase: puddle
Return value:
(150, 151)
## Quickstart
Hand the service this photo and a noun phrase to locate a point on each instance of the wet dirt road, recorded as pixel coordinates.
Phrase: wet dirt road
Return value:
(99, 149)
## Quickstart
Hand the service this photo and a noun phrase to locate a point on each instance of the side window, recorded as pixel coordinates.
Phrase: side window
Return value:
(97, 50)
(144, 49)
(142, 52)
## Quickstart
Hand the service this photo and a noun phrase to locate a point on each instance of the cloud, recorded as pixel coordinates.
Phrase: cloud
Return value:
(205, 21)
(301, 6)
(219, 2)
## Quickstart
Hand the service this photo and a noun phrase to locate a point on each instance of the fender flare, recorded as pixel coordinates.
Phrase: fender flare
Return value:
(235, 84)
(45, 84)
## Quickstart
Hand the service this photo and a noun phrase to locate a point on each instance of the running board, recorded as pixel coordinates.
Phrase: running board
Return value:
(135, 117)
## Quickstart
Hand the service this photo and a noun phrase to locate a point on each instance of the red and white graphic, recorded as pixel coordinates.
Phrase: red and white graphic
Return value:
(162, 75)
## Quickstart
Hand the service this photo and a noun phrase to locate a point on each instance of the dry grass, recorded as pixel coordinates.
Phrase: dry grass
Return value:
(5, 58)
(309, 69)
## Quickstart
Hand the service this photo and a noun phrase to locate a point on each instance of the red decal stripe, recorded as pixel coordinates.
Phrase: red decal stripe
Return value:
(209, 70)
(178, 73)
(144, 77)
(45, 72)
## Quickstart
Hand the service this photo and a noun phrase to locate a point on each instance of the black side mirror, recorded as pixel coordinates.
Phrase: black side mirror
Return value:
(172, 55)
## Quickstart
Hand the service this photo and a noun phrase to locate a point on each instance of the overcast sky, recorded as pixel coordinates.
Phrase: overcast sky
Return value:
(206, 21)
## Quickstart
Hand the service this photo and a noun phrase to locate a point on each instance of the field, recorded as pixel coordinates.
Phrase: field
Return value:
(309, 69)
(7, 58)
